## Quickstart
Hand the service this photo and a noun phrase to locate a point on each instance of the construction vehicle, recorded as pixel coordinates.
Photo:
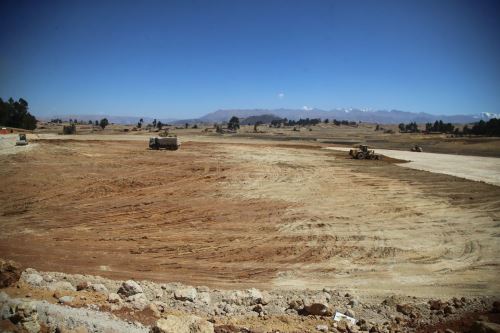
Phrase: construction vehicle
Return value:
(169, 143)
(22, 140)
(363, 153)
(417, 148)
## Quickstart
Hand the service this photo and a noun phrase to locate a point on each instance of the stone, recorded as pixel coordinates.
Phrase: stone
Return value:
(318, 309)
(84, 285)
(66, 299)
(353, 302)
(138, 301)
(114, 298)
(448, 310)
(61, 286)
(350, 313)
(405, 309)
(258, 308)
(10, 272)
(322, 328)
(295, 304)
(484, 327)
(185, 324)
(186, 294)
(154, 310)
(32, 279)
(436, 305)
(99, 288)
(130, 288)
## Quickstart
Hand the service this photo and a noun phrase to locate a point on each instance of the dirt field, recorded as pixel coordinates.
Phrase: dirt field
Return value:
(241, 212)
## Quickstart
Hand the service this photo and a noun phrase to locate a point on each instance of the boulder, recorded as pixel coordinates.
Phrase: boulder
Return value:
(185, 324)
(350, 313)
(84, 285)
(186, 294)
(129, 288)
(317, 309)
(10, 272)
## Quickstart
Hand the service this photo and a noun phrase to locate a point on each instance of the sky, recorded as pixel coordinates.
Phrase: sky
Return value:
(183, 59)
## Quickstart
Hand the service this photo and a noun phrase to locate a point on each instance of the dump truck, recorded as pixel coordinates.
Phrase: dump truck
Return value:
(169, 143)
(22, 140)
(417, 148)
(363, 153)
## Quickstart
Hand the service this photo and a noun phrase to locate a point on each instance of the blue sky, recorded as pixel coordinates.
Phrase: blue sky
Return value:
(183, 59)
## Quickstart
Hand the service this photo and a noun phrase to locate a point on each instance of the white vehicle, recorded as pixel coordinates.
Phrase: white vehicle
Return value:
(22, 141)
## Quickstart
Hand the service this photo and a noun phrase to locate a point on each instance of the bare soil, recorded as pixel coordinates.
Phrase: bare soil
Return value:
(236, 212)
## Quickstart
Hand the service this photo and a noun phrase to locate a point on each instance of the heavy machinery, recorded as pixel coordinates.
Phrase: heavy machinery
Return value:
(22, 140)
(417, 149)
(363, 153)
(170, 143)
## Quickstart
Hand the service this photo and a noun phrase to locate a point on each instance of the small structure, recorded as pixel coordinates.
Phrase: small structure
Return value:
(169, 143)
(70, 129)
(3, 130)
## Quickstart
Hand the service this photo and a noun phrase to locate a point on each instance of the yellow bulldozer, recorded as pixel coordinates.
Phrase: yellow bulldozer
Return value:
(363, 153)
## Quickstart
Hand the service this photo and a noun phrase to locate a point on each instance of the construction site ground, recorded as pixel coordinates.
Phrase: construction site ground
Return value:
(236, 212)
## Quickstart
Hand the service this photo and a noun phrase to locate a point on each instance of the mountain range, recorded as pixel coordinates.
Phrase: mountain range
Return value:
(371, 116)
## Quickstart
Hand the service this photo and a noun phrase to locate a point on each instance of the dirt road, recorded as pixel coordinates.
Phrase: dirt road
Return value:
(484, 169)
(248, 214)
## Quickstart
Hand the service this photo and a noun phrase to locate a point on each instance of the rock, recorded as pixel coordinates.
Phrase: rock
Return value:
(66, 299)
(295, 304)
(317, 309)
(350, 313)
(258, 308)
(114, 298)
(353, 302)
(185, 294)
(26, 316)
(185, 324)
(154, 310)
(33, 279)
(343, 326)
(322, 328)
(448, 310)
(204, 298)
(100, 288)
(484, 327)
(61, 286)
(405, 309)
(130, 288)
(138, 301)
(84, 285)
(10, 272)
(436, 305)
(63, 329)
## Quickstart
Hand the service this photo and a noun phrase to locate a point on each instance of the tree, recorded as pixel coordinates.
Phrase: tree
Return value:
(15, 114)
(255, 127)
(154, 123)
(234, 123)
(103, 123)
(401, 127)
(159, 125)
(186, 125)
(326, 121)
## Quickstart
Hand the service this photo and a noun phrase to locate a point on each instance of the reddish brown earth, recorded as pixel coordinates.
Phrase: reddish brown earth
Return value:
(255, 214)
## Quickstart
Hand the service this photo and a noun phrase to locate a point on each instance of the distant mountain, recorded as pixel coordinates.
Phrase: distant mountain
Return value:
(378, 116)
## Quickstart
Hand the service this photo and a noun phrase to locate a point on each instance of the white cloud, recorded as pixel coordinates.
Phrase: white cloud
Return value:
(307, 108)
(281, 95)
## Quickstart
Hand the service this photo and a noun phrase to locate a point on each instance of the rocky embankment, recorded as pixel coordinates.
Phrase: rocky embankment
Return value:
(32, 301)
